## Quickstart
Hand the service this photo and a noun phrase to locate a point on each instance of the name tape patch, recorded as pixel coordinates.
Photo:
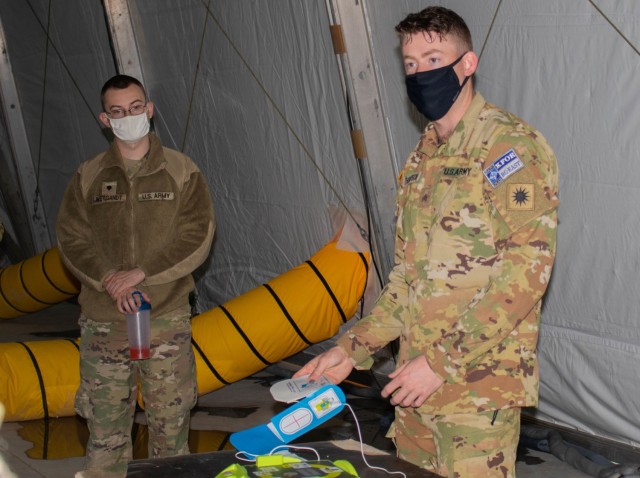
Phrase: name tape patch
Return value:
(157, 196)
(503, 167)
(456, 171)
(105, 198)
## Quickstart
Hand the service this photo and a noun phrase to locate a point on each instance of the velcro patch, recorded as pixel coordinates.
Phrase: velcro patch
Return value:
(412, 178)
(503, 167)
(109, 188)
(158, 196)
(520, 197)
(456, 171)
(104, 198)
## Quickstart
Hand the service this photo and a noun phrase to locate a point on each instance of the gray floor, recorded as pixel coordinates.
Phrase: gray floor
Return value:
(235, 407)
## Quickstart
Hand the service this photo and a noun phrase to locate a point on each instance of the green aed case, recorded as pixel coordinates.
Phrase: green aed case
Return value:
(279, 466)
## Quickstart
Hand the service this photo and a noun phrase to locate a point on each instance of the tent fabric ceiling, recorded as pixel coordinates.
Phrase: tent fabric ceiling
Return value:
(252, 92)
(260, 110)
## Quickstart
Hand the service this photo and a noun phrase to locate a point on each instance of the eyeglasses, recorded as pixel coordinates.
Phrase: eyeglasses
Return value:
(135, 110)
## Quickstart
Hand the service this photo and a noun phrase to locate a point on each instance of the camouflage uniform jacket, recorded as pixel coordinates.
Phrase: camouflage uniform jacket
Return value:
(161, 221)
(475, 245)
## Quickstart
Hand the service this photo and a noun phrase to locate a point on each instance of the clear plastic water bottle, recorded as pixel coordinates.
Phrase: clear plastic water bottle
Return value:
(139, 330)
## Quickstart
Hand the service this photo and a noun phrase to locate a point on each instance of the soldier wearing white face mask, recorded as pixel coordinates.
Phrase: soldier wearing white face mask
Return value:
(137, 217)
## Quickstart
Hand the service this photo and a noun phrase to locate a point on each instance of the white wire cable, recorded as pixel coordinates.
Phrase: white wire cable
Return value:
(388, 472)
(294, 447)
(240, 455)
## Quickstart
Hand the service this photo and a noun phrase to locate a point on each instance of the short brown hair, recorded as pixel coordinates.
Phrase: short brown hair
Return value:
(120, 82)
(439, 21)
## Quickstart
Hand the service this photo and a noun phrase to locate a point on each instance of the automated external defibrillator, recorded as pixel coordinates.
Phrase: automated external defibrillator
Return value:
(278, 466)
(313, 404)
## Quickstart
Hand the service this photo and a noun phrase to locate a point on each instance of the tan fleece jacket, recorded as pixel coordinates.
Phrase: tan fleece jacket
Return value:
(161, 221)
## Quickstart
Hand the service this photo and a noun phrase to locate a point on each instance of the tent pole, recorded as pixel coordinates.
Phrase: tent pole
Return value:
(372, 144)
(123, 38)
(30, 222)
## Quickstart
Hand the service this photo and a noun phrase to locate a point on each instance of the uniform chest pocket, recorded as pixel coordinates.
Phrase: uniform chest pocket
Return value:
(457, 186)
(461, 247)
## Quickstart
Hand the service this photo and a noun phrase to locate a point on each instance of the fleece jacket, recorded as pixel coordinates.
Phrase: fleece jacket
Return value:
(160, 220)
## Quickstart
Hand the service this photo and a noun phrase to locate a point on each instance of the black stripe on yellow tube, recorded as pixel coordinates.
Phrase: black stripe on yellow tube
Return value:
(366, 265)
(6, 299)
(43, 391)
(244, 336)
(53, 284)
(286, 314)
(208, 363)
(329, 291)
(26, 289)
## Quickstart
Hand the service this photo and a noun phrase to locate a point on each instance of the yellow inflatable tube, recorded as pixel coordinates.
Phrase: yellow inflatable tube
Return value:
(303, 306)
(34, 284)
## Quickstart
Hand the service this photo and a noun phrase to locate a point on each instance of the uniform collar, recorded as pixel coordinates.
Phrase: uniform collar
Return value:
(155, 157)
(457, 141)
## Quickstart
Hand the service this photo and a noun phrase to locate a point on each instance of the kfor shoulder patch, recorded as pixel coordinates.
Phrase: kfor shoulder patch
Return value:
(503, 167)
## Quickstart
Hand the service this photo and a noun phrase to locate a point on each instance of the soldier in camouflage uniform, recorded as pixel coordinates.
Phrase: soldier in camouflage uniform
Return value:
(475, 246)
(137, 217)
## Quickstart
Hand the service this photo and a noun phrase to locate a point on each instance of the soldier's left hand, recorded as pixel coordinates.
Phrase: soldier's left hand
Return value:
(412, 383)
(117, 283)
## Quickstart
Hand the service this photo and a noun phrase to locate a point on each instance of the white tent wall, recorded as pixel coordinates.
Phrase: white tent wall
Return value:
(251, 90)
(570, 67)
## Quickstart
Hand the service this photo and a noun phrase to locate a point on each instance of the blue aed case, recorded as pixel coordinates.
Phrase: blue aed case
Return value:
(291, 423)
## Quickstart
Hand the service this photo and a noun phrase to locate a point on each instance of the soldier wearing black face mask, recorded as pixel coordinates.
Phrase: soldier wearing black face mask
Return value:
(475, 246)
(433, 92)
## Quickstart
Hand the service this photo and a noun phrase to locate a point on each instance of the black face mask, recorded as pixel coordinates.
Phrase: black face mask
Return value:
(434, 92)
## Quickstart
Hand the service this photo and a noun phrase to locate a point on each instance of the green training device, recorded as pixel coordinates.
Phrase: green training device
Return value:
(279, 466)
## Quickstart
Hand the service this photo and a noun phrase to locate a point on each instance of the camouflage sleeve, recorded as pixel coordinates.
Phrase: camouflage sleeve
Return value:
(385, 321)
(382, 325)
(526, 260)
(524, 224)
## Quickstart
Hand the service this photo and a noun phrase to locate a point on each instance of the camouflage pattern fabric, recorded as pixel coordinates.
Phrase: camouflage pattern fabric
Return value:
(108, 390)
(472, 264)
(475, 245)
(485, 443)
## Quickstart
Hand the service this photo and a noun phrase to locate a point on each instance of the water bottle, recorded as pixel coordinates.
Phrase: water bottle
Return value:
(139, 330)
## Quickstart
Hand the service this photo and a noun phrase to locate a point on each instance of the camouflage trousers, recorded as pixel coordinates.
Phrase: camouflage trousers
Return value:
(459, 446)
(109, 389)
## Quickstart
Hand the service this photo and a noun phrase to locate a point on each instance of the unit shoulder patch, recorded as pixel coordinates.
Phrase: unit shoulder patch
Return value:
(503, 167)
(521, 197)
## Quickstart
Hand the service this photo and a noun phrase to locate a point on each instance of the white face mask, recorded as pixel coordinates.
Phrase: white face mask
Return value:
(130, 129)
